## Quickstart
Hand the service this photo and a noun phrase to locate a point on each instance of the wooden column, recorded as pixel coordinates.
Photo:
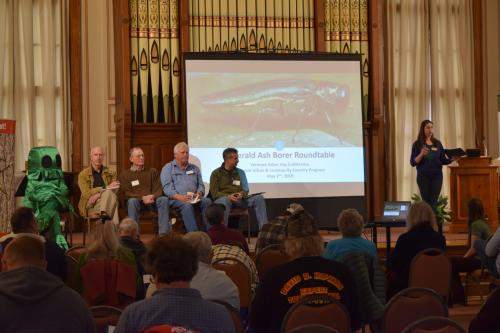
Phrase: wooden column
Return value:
(123, 118)
(477, 9)
(75, 78)
(319, 26)
(376, 147)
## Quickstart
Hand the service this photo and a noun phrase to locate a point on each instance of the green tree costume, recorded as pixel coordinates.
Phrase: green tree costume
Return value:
(46, 192)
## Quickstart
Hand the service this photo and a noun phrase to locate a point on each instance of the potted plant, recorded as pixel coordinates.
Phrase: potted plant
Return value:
(443, 214)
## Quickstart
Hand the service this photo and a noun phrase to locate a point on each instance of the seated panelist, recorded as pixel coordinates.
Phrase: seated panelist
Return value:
(98, 184)
(141, 187)
(183, 185)
(229, 186)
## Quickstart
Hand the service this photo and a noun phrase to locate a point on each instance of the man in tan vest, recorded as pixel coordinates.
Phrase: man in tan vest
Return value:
(98, 185)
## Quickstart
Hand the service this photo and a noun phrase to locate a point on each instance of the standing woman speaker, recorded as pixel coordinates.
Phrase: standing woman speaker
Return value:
(427, 154)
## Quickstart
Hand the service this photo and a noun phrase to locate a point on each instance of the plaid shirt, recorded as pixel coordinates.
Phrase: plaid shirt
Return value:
(229, 251)
(273, 232)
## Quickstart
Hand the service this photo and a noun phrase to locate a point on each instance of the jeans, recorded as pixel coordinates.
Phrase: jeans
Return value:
(256, 202)
(430, 188)
(187, 212)
(488, 262)
(135, 206)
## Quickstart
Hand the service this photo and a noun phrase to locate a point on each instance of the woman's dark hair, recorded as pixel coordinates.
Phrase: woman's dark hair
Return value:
(171, 258)
(421, 134)
(475, 210)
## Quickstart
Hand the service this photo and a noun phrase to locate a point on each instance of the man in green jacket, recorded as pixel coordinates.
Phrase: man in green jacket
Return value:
(98, 185)
(229, 187)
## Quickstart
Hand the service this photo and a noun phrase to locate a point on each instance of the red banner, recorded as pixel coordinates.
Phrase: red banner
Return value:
(7, 126)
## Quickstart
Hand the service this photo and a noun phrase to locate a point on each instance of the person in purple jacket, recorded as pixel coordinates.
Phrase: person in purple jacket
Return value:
(427, 154)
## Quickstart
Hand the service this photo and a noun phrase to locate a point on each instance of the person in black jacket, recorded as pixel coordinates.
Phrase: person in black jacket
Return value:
(307, 273)
(421, 235)
(427, 154)
(23, 222)
(487, 318)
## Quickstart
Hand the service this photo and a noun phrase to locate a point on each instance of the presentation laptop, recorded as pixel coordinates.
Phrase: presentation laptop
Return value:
(395, 211)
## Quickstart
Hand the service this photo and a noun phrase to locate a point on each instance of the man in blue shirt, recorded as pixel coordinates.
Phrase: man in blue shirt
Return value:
(183, 184)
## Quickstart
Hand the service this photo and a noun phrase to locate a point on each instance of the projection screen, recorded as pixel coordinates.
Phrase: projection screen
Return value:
(295, 120)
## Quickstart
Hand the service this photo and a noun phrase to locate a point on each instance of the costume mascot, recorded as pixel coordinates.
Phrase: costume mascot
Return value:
(46, 192)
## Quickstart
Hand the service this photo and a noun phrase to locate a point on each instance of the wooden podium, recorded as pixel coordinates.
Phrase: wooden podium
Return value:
(473, 177)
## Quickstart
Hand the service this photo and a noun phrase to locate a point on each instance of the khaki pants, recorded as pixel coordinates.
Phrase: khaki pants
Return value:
(108, 203)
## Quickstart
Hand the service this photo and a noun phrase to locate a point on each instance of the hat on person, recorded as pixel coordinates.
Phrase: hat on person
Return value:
(294, 208)
(301, 224)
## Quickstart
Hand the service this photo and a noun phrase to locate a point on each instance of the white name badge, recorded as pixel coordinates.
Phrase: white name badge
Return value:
(236, 182)
(135, 183)
(189, 172)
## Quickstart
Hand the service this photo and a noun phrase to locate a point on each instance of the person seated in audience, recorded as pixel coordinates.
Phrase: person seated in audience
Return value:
(228, 252)
(486, 319)
(421, 235)
(469, 262)
(128, 231)
(182, 184)
(212, 284)
(492, 253)
(104, 245)
(350, 224)
(229, 186)
(173, 263)
(97, 184)
(274, 231)
(142, 190)
(219, 233)
(23, 223)
(360, 256)
(33, 300)
(307, 273)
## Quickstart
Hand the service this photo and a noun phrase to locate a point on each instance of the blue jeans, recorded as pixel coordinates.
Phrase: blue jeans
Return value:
(135, 206)
(256, 202)
(488, 262)
(187, 212)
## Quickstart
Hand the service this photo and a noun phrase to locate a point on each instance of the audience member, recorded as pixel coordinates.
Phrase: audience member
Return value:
(421, 235)
(183, 185)
(128, 230)
(97, 184)
(229, 186)
(104, 245)
(23, 223)
(274, 231)
(492, 250)
(33, 300)
(220, 233)
(212, 284)
(307, 273)
(229, 252)
(142, 190)
(486, 319)
(478, 230)
(174, 263)
(350, 224)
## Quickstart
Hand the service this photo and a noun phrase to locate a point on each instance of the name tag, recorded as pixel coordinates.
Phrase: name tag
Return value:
(189, 172)
(135, 182)
(434, 149)
(236, 182)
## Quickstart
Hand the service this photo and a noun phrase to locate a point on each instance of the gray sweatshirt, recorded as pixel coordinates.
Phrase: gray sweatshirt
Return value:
(33, 300)
(493, 248)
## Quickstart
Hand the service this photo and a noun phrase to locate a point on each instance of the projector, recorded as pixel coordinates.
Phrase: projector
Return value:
(475, 152)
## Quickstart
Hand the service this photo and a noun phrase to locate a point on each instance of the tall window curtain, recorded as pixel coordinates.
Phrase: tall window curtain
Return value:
(33, 75)
(430, 77)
